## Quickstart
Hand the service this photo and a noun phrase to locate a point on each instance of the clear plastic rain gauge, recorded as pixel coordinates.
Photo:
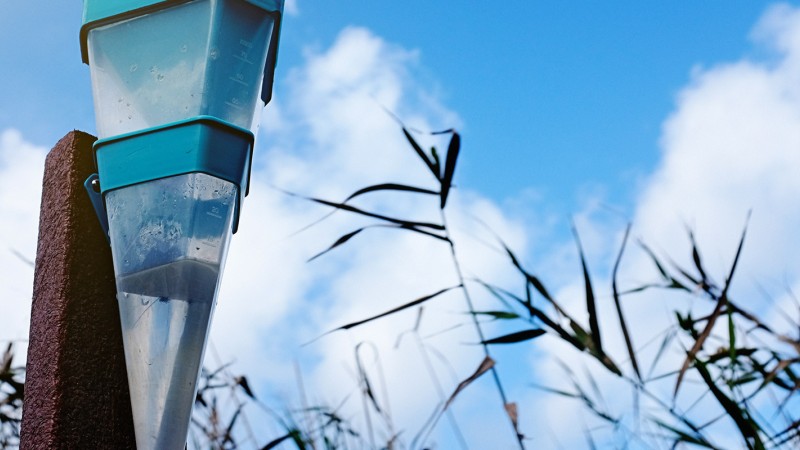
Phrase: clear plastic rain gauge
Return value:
(178, 87)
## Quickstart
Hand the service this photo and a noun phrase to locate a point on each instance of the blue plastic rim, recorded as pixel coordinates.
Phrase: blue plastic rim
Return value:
(200, 144)
(103, 12)
(96, 10)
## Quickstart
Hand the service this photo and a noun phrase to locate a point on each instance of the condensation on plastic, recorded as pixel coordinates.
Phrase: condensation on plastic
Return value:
(169, 242)
(161, 221)
(204, 57)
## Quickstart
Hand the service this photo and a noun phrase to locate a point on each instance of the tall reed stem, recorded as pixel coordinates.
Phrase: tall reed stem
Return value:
(470, 305)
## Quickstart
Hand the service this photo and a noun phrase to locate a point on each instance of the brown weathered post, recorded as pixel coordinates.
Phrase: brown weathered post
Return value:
(76, 390)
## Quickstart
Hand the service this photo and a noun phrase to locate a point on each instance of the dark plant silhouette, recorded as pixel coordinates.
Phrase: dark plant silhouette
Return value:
(752, 388)
(12, 389)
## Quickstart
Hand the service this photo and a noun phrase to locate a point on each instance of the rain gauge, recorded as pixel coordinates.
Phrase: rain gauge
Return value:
(178, 87)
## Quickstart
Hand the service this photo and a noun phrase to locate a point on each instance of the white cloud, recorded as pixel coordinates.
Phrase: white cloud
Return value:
(732, 144)
(328, 136)
(21, 169)
(291, 8)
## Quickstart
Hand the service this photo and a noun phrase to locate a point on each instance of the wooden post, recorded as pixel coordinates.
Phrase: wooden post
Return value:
(76, 388)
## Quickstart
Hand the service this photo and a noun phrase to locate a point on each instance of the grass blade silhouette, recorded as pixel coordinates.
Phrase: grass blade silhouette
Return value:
(591, 306)
(682, 436)
(346, 237)
(450, 167)
(618, 304)
(421, 153)
(353, 209)
(390, 187)
(721, 302)
(519, 336)
(394, 310)
(741, 418)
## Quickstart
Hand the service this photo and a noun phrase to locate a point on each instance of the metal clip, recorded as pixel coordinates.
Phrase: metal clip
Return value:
(97, 202)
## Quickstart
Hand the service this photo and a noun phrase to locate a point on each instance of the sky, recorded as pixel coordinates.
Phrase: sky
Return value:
(665, 115)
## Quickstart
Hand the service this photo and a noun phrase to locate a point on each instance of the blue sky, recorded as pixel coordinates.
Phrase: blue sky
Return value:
(554, 94)
(666, 114)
